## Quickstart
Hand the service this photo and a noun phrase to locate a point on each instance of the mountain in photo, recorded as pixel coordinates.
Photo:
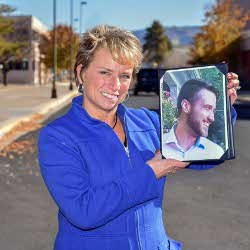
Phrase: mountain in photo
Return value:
(179, 36)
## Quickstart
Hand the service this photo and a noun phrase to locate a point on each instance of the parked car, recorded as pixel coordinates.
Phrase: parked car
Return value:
(147, 80)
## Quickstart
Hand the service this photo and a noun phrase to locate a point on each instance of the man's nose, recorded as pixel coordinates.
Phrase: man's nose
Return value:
(211, 116)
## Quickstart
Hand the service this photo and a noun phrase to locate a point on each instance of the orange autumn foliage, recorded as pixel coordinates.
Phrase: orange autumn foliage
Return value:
(220, 36)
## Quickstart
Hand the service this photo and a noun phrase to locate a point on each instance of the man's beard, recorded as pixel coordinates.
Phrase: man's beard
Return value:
(197, 127)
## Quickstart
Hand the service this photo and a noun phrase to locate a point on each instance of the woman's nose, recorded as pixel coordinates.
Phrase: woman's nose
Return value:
(115, 83)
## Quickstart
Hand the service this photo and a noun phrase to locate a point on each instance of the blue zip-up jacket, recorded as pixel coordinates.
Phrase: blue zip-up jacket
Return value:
(107, 198)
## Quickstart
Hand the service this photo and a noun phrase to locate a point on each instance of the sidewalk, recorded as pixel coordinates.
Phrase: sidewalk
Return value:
(23, 107)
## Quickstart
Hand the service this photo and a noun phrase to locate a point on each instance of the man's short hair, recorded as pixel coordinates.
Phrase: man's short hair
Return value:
(189, 90)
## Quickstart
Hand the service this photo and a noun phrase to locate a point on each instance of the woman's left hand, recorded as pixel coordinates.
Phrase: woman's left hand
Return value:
(232, 86)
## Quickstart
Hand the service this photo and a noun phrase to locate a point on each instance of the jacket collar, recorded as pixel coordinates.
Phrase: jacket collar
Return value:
(81, 112)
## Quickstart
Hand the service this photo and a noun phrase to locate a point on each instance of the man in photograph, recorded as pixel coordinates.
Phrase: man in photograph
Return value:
(196, 105)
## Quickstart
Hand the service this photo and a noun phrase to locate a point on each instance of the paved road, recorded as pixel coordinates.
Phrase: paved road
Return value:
(206, 210)
(210, 209)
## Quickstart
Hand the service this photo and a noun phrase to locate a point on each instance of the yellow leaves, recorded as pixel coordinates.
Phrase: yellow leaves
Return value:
(224, 23)
(64, 36)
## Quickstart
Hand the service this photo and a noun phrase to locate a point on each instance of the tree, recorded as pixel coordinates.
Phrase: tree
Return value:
(220, 36)
(8, 49)
(64, 34)
(157, 44)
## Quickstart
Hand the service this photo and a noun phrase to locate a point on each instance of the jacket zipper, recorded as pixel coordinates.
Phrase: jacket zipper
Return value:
(127, 148)
(136, 212)
(137, 230)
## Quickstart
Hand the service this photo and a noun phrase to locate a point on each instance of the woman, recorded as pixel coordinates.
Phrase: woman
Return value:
(99, 162)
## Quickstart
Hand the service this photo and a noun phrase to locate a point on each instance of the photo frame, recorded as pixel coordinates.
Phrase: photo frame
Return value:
(195, 112)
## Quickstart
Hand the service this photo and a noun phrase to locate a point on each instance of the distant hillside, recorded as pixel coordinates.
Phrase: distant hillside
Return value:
(179, 36)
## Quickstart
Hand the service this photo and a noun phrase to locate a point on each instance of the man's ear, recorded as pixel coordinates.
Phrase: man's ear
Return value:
(186, 106)
(80, 75)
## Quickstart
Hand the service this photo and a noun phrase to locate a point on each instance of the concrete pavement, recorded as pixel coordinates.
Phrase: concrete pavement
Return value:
(24, 106)
(205, 210)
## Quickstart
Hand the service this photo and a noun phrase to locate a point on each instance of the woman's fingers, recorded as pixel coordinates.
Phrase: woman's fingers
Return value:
(233, 80)
(232, 93)
(232, 75)
(233, 83)
(177, 162)
(162, 167)
(232, 86)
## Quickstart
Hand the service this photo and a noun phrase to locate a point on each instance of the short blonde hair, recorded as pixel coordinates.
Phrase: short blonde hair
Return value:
(123, 46)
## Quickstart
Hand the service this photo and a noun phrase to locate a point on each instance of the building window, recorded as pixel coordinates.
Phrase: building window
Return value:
(19, 65)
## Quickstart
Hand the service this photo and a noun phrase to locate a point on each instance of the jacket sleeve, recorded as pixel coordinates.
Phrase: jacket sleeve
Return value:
(84, 205)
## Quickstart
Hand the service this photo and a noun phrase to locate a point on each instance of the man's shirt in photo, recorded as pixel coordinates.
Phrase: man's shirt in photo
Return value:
(203, 148)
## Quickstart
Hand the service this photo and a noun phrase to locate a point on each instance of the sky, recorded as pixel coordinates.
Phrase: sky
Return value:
(129, 14)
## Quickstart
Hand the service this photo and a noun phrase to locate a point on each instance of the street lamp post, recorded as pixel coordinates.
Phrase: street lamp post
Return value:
(53, 93)
(71, 45)
(75, 26)
(80, 18)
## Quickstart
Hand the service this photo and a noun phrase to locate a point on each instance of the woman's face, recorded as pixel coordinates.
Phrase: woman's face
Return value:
(106, 83)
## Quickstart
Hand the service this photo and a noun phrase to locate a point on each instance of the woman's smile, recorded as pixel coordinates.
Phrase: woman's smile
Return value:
(110, 96)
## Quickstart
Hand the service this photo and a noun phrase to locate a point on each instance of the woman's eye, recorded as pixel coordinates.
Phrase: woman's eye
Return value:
(105, 73)
(126, 77)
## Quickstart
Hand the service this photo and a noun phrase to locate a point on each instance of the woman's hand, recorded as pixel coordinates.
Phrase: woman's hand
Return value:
(162, 167)
(232, 86)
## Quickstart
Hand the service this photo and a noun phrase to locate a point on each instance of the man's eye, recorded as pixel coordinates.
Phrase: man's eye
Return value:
(210, 108)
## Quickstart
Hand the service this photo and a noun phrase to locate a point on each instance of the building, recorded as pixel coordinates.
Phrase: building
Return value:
(29, 68)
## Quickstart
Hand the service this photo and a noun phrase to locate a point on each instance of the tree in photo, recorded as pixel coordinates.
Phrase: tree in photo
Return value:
(157, 44)
(170, 113)
(8, 50)
(64, 35)
(216, 129)
(220, 36)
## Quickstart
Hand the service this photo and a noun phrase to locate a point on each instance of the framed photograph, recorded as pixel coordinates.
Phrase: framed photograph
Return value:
(196, 123)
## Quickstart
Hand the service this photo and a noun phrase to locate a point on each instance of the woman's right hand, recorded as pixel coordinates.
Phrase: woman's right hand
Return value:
(162, 167)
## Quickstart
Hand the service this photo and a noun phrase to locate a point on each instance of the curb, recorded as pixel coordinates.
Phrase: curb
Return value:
(43, 111)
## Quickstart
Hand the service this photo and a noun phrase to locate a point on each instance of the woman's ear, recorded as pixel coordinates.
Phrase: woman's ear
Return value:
(80, 75)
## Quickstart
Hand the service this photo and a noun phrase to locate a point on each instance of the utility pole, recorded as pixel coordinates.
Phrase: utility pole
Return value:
(71, 45)
(53, 93)
(80, 17)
